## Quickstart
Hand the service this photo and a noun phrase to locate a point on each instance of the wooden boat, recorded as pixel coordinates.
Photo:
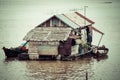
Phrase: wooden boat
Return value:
(13, 52)
(100, 51)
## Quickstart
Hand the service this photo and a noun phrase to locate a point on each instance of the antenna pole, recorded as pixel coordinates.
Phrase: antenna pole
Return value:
(85, 21)
(85, 14)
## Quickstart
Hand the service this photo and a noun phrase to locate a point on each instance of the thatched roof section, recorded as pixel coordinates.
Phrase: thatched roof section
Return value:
(48, 34)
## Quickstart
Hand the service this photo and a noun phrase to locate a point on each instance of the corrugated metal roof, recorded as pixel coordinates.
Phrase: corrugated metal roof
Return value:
(48, 34)
(77, 19)
(84, 17)
(74, 20)
(67, 21)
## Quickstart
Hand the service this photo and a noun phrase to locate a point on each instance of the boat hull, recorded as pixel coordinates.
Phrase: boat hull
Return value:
(13, 52)
(100, 51)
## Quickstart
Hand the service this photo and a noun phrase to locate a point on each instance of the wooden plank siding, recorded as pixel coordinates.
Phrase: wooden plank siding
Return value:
(53, 22)
(43, 48)
(48, 23)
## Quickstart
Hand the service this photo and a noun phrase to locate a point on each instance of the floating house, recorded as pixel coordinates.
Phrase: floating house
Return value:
(45, 41)
(64, 34)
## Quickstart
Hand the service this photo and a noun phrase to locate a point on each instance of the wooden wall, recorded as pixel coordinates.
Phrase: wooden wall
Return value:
(43, 48)
(53, 22)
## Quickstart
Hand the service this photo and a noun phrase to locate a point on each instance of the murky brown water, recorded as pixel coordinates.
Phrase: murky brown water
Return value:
(47, 70)
(18, 17)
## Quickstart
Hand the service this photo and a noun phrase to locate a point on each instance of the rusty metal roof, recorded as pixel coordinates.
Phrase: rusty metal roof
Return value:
(74, 20)
(48, 34)
(77, 19)
(67, 21)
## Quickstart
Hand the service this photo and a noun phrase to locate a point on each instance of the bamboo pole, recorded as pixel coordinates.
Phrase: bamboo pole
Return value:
(100, 40)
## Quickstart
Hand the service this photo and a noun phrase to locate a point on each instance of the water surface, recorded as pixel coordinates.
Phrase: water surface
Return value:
(17, 17)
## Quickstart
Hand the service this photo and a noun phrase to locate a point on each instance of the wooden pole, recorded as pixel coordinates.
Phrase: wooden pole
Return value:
(100, 40)
(85, 14)
(85, 21)
(86, 75)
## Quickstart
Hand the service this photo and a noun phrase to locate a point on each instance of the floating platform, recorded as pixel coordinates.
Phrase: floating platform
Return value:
(95, 52)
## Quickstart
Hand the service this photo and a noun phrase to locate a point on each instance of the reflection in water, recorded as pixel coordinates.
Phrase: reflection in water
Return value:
(10, 59)
(101, 58)
(48, 70)
(60, 70)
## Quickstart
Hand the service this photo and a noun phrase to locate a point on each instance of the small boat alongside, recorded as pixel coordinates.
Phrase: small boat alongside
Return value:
(13, 52)
(100, 51)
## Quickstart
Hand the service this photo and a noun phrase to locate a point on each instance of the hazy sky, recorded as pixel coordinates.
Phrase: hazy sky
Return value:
(26, 14)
